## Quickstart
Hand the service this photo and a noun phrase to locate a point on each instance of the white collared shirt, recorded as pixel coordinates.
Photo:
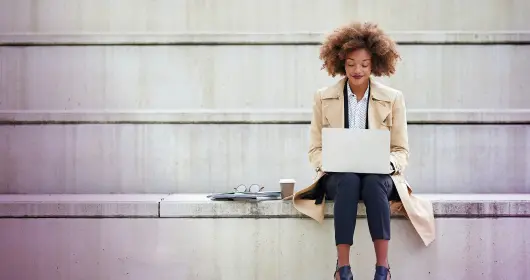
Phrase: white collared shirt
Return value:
(357, 109)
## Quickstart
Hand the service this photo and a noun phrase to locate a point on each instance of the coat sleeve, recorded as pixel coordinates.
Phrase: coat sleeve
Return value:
(315, 133)
(399, 142)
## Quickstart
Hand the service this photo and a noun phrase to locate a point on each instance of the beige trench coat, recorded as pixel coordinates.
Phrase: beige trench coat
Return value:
(386, 110)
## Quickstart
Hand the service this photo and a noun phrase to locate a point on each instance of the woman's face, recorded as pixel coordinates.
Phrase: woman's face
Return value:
(358, 67)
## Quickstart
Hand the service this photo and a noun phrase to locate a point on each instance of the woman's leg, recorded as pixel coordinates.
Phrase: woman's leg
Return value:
(344, 189)
(376, 189)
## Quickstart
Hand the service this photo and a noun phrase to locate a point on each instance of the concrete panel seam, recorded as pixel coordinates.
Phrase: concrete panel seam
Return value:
(201, 116)
(309, 38)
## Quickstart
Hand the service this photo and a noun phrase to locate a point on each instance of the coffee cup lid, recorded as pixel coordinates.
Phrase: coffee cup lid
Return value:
(287, 181)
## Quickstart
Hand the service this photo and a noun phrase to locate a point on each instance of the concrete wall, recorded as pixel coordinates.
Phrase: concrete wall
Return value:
(121, 16)
(134, 249)
(147, 96)
(160, 65)
(195, 158)
(134, 236)
(100, 78)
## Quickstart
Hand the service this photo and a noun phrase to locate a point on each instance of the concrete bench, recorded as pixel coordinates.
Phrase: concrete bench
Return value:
(187, 236)
(445, 205)
(199, 206)
(86, 205)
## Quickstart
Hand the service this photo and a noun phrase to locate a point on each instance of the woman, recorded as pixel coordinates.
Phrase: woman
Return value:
(358, 51)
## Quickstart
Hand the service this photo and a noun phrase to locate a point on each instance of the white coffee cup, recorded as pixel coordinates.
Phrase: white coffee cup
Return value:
(287, 187)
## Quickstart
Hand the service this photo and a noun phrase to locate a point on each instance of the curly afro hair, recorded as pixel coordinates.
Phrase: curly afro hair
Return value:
(355, 36)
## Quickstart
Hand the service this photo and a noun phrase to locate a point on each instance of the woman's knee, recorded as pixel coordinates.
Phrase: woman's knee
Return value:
(375, 185)
(349, 180)
(347, 184)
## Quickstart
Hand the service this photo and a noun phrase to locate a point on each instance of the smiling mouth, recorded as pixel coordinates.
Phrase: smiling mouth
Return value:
(357, 77)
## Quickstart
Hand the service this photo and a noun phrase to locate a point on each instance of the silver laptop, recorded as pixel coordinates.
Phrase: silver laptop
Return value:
(356, 150)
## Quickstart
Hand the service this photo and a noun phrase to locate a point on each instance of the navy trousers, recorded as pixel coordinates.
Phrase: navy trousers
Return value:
(346, 190)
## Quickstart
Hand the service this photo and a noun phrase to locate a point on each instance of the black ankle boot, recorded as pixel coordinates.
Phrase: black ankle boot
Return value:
(381, 273)
(344, 272)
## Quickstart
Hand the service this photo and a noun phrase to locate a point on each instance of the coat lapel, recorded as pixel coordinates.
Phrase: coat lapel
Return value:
(333, 105)
(379, 108)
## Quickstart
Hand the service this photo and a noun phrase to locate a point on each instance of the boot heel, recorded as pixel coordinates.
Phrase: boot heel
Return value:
(343, 271)
(382, 273)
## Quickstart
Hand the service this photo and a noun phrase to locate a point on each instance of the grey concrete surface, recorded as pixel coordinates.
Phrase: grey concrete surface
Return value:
(260, 249)
(199, 206)
(249, 116)
(444, 205)
(91, 205)
(234, 16)
(135, 78)
(213, 158)
(310, 38)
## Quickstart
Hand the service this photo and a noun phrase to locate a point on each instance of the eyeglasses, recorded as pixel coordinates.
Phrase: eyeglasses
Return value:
(254, 188)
